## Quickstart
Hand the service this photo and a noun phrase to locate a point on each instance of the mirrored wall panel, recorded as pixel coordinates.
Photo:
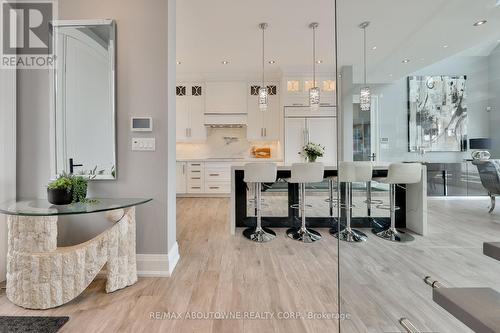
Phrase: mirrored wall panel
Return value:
(84, 98)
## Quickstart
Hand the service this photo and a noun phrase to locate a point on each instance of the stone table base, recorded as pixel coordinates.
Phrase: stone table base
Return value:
(40, 275)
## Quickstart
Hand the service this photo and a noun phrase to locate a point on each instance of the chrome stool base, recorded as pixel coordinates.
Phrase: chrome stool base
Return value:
(304, 235)
(261, 235)
(349, 235)
(393, 235)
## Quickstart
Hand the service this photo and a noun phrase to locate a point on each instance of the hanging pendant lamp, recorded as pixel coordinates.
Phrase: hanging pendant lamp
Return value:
(263, 95)
(314, 91)
(365, 95)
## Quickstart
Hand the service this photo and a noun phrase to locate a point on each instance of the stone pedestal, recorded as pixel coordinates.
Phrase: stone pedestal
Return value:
(40, 275)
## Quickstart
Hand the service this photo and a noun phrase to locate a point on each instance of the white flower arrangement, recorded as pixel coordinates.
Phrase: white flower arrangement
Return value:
(312, 151)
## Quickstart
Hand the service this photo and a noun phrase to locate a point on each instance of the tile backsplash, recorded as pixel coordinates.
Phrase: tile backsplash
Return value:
(224, 143)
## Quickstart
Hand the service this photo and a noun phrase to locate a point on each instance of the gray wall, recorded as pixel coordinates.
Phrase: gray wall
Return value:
(393, 109)
(141, 90)
(494, 100)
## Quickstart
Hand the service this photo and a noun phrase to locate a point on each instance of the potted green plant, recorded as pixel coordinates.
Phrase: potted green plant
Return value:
(312, 151)
(67, 189)
(59, 191)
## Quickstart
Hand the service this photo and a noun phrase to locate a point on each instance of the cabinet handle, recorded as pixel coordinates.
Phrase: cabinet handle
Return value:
(265, 132)
(195, 171)
(195, 164)
(187, 133)
(214, 174)
(184, 169)
(214, 187)
(195, 187)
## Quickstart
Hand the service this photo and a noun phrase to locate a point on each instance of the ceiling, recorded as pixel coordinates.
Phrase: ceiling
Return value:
(209, 32)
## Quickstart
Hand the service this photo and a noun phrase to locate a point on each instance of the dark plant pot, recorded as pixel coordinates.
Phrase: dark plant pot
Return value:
(59, 196)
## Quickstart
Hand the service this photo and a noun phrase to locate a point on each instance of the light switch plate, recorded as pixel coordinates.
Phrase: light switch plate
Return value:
(143, 144)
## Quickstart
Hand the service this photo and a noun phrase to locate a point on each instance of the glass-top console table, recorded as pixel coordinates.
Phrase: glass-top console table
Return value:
(41, 275)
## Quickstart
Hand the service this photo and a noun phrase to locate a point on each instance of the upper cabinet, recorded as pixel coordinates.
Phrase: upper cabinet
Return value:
(190, 98)
(296, 90)
(226, 97)
(263, 125)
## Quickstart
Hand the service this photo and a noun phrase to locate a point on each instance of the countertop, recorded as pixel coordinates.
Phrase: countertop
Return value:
(283, 166)
(235, 160)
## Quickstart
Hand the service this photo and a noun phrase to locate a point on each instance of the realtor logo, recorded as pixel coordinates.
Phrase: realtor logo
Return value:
(26, 38)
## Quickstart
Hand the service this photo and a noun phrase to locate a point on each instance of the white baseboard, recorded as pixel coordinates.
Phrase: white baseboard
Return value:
(173, 258)
(154, 265)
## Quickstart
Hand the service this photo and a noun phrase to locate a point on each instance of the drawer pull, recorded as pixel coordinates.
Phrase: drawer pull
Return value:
(195, 187)
(198, 171)
(195, 177)
(214, 187)
(195, 164)
(214, 174)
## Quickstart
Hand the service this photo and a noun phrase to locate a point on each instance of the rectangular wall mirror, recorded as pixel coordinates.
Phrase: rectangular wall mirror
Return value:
(83, 98)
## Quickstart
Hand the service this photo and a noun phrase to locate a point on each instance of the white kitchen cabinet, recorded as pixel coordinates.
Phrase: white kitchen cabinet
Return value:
(324, 132)
(296, 90)
(263, 125)
(226, 97)
(300, 130)
(217, 177)
(203, 178)
(195, 177)
(190, 109)
(295, 138)
(181, 178)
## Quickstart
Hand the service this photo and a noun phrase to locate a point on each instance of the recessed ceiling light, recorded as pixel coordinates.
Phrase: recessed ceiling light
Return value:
(272, 62)
(405, 61)
(478, 23)
(445, 46)
(374, 48)
(390, 75)
(178, 62)
(225, 62)
(319, 61)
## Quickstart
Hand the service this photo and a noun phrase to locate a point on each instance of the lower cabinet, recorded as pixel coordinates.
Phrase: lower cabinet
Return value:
(181, 172)
(203, 178)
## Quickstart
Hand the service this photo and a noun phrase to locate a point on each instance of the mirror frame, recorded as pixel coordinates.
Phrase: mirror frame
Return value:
(53, 92)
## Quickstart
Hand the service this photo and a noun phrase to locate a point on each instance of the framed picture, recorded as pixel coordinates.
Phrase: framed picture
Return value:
(437, 113)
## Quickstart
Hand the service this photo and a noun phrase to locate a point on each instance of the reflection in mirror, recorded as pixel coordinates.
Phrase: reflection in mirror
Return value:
(83, 105)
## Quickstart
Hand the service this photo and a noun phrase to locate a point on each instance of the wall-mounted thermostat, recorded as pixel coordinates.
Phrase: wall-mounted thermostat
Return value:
(141, 124)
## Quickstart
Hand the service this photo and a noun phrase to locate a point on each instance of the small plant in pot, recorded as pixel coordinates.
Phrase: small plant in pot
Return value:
(67, 189)
(59, 191)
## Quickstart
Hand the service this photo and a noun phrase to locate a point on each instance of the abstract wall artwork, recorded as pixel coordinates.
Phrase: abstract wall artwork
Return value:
(437, 119)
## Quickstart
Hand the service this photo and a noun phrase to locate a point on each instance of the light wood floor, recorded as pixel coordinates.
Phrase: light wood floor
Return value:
(380, 281)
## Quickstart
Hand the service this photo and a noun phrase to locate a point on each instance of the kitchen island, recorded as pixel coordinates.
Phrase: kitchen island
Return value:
(411, 198)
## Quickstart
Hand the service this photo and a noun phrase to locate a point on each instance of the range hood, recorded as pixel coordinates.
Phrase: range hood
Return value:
(226, 120)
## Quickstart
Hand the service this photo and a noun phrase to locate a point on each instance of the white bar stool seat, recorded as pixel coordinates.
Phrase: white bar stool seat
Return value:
(302, 174)
(352, 172)
(399, 173)
(258, 173)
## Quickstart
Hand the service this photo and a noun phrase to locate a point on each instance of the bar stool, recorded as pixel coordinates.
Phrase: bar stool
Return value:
(351, 172)
(399, 173)
(258, 173)
(302, 174)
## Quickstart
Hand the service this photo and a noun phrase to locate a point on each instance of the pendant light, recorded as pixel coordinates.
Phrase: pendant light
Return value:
(365, 96)
(314, 90)
(263, 89)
